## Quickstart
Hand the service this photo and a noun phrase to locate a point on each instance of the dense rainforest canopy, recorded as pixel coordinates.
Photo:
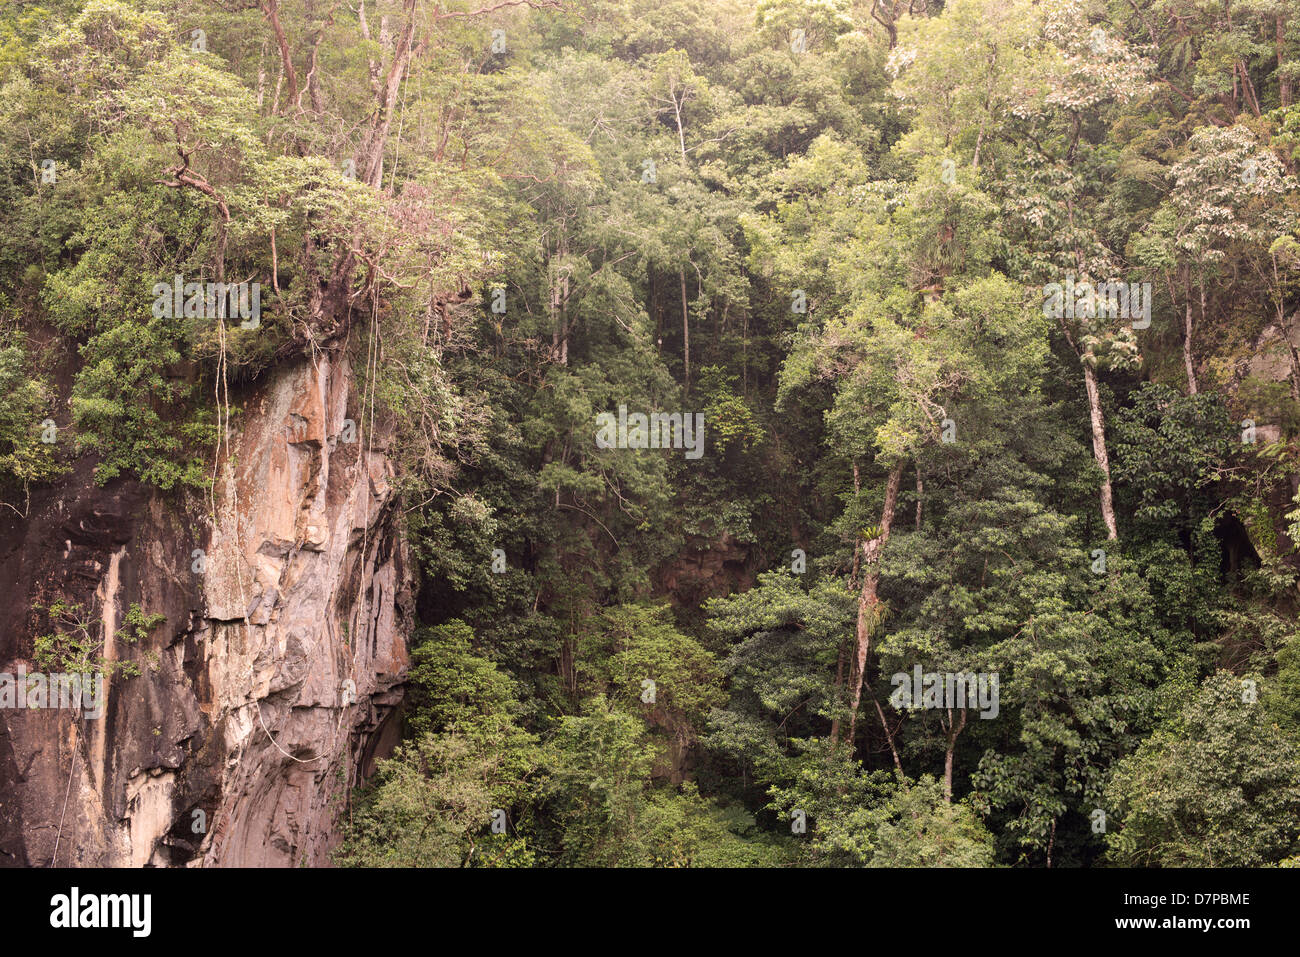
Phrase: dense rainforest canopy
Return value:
(975, 324)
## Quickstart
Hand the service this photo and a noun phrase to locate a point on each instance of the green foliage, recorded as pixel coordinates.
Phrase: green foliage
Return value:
(72, 645)
(597, 791)
(451, 685)
(638, 644)
(730, 419)
(25, 459)
(1218, 786)
(829, 227)
(428, 806)
(120, 404)
(138, 625)
(855, 819)
(432, 803)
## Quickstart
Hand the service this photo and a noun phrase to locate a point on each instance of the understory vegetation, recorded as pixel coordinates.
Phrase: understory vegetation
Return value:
(835, 229)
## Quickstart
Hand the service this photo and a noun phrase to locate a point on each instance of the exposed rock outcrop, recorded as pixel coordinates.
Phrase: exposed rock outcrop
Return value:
(707, 567)
(272, 682)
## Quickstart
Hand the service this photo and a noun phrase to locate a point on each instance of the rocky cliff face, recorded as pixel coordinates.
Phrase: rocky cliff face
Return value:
(274, 681)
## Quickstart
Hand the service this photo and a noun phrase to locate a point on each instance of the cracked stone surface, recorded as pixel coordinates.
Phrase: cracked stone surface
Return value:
(236, 745)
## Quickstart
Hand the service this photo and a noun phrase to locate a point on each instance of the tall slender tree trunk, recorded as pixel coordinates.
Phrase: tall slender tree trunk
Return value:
(560, 305)
(271, 10)
(920, 494)
(1099, 449)
(853, 583)
(1284, 81)
(1187, 339)
(657, 310)
(868, 599)
(686, 329)
(1188, 364)
(954, 730)
(889, 738)
(261, 77)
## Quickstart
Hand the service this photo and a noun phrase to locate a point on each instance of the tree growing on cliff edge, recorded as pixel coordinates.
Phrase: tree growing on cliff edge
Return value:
(829, 228)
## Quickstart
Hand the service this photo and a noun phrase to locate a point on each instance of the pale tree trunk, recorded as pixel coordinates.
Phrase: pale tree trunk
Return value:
(1099, 449)
(1187, 333)
(677, 114)
(560, 303)
(372, 148)
(261, 78)
(560, 320)
(889, 737)
(1097, 420)
(686, 329)
(868, 599)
